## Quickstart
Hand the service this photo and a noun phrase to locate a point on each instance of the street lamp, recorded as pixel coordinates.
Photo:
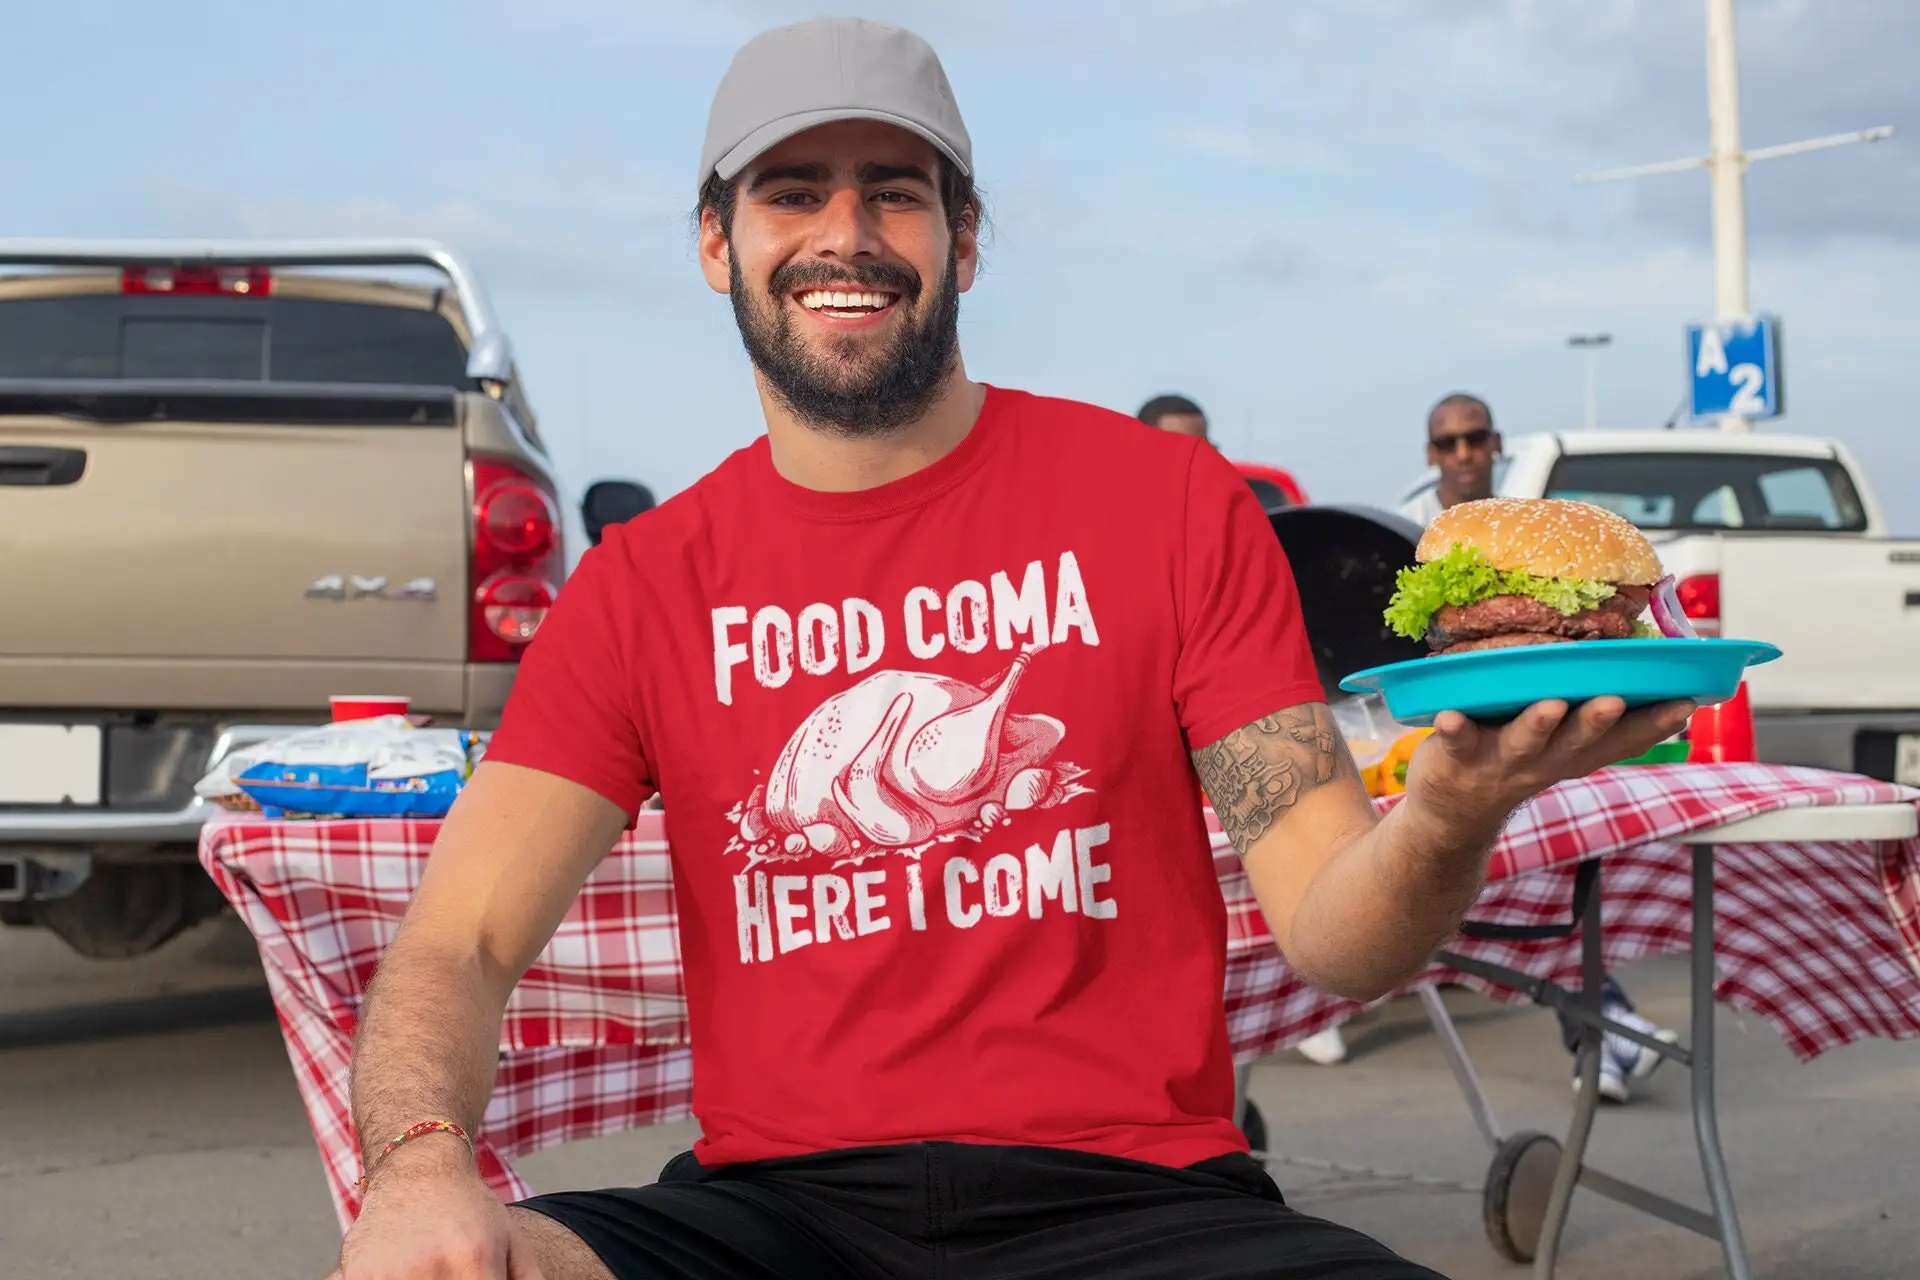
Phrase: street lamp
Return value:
(1591, 343)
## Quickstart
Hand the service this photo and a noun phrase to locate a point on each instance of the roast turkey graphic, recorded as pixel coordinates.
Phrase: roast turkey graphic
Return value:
(903, 760)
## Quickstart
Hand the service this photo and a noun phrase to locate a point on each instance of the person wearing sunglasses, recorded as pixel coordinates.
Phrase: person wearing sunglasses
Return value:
(1462, 446)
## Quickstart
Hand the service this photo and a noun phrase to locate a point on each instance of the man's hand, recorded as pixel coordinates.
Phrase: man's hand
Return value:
(1470, 777)
(432, 1215)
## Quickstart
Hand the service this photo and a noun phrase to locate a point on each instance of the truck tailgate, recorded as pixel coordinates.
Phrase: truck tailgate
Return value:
(1845, 613)
(222, 551)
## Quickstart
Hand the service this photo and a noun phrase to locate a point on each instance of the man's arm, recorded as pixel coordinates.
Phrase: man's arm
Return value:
(509, 861)
(1359, 903)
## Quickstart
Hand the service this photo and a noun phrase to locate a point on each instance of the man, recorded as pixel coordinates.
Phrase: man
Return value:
(930, 675)
(1463, 444)
(1176, 414)
(1274, 487)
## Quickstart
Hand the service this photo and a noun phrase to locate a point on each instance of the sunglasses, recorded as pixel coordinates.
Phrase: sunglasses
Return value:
(1475, 439)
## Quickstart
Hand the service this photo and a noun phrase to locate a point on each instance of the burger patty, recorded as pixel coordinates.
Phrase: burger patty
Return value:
(1503, 616)
(1512, 640)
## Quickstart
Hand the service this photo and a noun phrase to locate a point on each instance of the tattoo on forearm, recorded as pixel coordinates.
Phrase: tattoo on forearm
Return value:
(1256, 773)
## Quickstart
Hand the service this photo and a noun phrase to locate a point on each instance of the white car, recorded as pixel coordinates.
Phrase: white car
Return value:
(1770, 537)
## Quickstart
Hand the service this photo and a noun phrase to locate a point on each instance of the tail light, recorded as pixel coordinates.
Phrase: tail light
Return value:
(517, 560)
(1699, 598)
(246, 281)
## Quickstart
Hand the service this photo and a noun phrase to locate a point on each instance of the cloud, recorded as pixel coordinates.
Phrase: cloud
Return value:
(506, 252)
(1624, 83)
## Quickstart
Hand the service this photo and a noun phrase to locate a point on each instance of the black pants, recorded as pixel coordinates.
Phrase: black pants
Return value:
(957, 1212)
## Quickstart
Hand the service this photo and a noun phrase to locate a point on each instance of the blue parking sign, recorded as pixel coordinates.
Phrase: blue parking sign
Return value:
(1735, 368)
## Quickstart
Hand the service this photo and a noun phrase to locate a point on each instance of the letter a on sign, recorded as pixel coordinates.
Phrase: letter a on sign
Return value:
(1713, 353)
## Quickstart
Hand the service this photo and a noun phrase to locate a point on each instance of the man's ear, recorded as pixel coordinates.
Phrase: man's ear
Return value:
(966, 250)
(716, 253)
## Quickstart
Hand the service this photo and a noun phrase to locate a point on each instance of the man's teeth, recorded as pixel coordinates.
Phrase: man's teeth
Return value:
(825, 299)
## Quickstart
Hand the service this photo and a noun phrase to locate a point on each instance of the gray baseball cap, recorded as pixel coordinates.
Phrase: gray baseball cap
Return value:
(791, 79)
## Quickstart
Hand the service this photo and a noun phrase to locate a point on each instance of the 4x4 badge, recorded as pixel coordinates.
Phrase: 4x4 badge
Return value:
(352, 586)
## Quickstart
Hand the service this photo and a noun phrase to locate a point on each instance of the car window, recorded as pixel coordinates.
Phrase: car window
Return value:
(1649, 511)
(1703, 491)
(1801, 493)
(1269, 493)
(228, 339)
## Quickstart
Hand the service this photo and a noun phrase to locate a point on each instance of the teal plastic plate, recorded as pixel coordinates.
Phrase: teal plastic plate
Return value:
(1497, 684)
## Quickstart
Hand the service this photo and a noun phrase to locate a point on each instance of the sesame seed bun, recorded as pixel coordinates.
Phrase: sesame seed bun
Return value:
(1547, 537)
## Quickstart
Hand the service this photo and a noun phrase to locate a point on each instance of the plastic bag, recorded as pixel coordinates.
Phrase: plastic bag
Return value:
(378, 768)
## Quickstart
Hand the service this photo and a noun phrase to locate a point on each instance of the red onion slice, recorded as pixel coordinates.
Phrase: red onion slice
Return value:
(1667, 613)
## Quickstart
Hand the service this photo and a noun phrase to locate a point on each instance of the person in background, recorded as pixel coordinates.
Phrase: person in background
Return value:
(1183, 417)
(1463, 444)
(1176, 414)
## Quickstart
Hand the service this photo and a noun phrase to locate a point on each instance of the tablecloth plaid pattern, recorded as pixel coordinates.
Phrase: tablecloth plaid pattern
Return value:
(1822, 940)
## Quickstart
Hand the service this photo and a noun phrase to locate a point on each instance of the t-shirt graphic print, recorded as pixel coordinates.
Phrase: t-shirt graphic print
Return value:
(906, 760)
(937, 845)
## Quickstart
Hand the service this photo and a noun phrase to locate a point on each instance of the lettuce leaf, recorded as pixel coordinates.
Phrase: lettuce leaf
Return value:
(1462, 576)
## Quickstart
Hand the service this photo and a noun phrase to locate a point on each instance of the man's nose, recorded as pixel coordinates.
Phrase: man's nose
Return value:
(846, 227)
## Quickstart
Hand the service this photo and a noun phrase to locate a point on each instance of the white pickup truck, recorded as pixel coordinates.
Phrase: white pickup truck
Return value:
(1770, 537)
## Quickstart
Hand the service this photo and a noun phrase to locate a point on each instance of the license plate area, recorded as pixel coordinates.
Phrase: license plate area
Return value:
(52, 765)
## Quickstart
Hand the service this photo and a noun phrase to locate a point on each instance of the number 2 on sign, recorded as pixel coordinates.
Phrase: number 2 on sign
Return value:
(1746, 401)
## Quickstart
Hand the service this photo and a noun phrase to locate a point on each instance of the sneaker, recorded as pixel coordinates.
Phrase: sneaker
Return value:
(1613, 1079)
(1637, 1060)
(1324, 1047)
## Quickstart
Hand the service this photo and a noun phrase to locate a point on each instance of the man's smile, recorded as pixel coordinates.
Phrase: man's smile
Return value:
(847, 307)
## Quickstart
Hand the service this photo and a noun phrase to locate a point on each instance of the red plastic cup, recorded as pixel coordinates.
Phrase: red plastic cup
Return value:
(367, 706)
(1722, 733)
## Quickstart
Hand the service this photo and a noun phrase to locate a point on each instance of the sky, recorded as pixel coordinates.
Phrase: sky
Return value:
(1315, 217)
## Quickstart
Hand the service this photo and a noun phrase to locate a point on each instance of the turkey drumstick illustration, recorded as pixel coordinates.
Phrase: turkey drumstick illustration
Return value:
(904, 758)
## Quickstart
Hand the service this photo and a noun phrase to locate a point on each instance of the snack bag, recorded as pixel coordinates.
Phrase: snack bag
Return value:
(377, 768)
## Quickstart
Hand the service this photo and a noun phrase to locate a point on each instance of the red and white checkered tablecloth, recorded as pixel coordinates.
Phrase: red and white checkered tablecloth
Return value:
(1821, 939)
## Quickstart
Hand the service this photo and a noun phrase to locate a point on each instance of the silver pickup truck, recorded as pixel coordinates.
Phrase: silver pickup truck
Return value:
(236, 479)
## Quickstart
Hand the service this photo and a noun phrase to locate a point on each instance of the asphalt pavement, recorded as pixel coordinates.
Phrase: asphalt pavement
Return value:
(150, 1128)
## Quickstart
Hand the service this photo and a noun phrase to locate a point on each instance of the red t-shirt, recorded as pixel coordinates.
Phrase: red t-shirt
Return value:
(938, 848)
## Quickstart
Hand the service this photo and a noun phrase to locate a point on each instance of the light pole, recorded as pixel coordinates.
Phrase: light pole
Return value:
(1590, 344)
(1728, 164)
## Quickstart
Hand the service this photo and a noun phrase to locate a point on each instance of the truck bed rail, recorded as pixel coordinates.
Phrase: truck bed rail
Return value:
(489, 356)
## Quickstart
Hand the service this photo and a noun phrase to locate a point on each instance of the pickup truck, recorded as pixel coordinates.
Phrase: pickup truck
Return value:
(239, 478)
(1769, 537)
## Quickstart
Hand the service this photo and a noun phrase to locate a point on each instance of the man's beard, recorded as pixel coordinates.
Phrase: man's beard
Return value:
(831, 393)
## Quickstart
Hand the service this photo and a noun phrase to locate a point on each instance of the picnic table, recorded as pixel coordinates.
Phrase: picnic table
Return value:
(1820, 937)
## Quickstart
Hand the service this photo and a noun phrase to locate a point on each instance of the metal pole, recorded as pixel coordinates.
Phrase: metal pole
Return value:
(1593, 395)
(1728, 165)
(1589, 344)
(1706, 1117)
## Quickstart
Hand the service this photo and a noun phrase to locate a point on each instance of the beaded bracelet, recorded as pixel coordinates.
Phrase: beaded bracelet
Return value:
(417, 1131)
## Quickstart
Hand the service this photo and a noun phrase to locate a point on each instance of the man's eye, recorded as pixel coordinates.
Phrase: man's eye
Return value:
(895, 197)
(793, 199)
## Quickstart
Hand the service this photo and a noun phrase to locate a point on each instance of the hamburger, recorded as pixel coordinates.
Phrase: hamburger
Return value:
(1503, 572)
